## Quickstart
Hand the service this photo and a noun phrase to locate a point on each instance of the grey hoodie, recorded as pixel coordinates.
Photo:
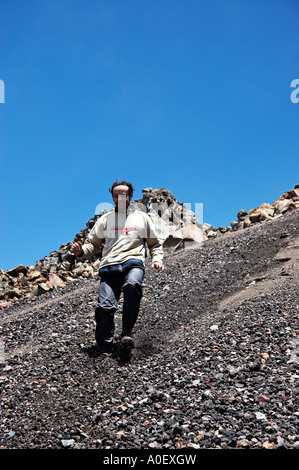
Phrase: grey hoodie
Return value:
(123, 236)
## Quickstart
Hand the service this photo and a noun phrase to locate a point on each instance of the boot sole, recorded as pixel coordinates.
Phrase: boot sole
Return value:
(126, 346)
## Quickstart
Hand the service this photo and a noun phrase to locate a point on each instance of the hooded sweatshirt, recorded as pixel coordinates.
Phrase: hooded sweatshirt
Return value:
(123, 236)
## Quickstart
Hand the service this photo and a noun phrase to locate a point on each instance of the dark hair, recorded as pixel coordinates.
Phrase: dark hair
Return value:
(122, 183)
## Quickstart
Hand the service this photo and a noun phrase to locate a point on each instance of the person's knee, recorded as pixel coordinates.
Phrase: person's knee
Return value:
(133, 287)
(107, 302)
(100, 313)
(108, 296)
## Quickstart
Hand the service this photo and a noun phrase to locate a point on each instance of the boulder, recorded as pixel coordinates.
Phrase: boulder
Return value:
(55, 280)
(185, 237)
(33, 273)
(42, 288)
(281, 206)
(13, 293)
(263, 212)
(294, 193)
(241, 214)
(16, 271)
(191, 232)
(235, 225)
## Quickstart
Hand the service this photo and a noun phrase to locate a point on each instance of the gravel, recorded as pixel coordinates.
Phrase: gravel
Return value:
(215, 364)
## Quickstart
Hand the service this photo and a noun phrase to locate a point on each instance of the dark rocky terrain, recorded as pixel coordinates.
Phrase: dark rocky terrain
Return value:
(215, 364)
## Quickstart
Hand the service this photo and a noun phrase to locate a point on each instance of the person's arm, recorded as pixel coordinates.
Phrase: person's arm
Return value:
(158, 266)
(92, 245)
(76, 249)
(155, 246)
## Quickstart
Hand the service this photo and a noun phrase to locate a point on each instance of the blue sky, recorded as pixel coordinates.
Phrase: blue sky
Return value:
(189, 95)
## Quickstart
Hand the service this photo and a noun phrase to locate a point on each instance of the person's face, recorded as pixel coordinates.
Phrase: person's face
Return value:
(121, 198)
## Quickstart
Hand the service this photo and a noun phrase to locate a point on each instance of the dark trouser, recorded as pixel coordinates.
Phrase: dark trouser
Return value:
(111, 287)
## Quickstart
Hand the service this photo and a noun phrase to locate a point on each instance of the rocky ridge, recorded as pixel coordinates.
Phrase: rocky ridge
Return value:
(175, 223)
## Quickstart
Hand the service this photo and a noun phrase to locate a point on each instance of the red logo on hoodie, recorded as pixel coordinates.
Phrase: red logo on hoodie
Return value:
(126, 230)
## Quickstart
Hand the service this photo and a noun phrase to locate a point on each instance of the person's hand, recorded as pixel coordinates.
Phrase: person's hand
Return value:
(76, 248)
(158, 266)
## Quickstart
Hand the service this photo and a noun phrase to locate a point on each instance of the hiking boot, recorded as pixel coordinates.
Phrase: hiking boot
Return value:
(126, 345)
(105, 348)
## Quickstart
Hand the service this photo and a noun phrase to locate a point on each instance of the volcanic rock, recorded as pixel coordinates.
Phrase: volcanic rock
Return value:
(215, 364)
